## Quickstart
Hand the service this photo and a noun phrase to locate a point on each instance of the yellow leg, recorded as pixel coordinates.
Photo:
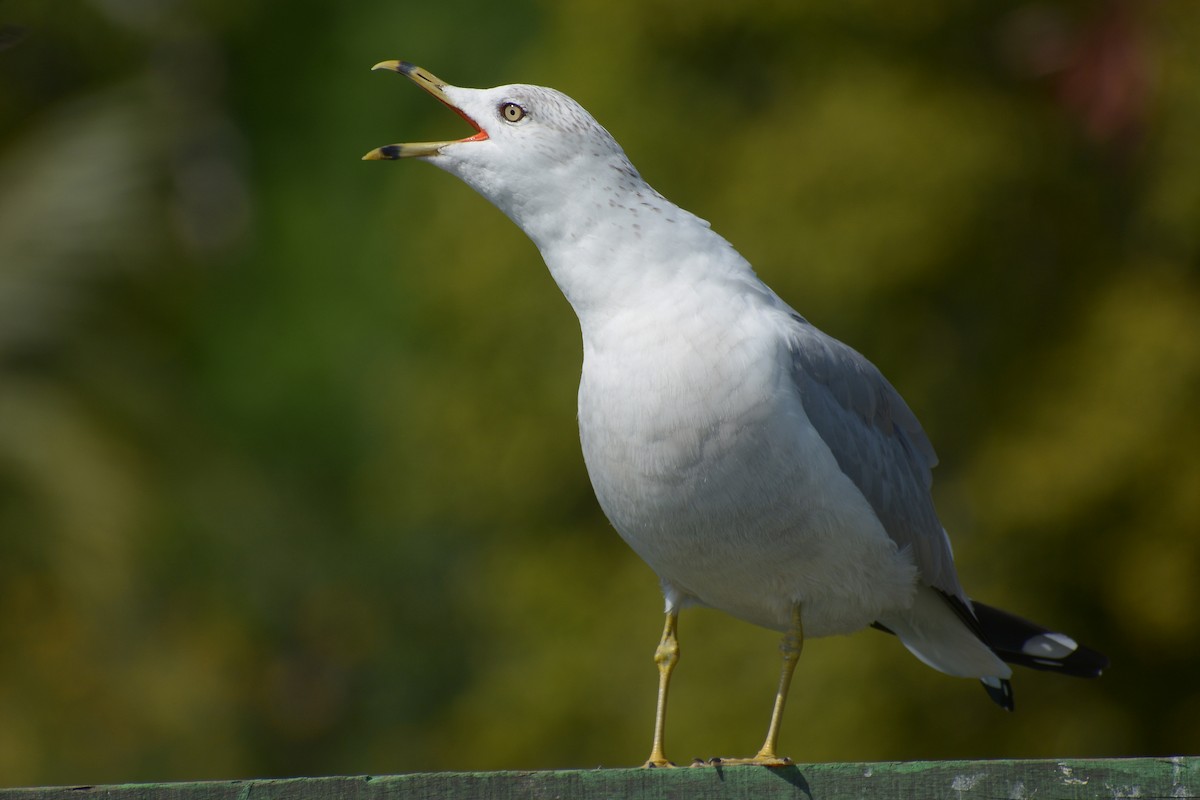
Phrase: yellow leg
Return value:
(666, 656)
(790, 646)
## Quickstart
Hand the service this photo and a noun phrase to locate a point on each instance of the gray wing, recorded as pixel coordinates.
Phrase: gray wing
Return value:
(877, 442)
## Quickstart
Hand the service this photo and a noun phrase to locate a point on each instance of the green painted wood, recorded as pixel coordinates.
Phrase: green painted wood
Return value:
(1177, 778)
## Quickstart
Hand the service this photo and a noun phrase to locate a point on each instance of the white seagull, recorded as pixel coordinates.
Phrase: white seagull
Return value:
(758, 465)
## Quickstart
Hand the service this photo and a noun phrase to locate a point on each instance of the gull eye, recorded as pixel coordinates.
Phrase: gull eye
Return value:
(512, 112)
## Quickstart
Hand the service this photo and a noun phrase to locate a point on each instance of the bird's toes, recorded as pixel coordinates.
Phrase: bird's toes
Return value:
(756, 761)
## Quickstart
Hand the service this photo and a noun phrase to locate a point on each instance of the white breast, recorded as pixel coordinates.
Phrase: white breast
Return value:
(701, 455)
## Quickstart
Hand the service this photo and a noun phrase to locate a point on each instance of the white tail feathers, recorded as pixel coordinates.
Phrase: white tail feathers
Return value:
(934, 633)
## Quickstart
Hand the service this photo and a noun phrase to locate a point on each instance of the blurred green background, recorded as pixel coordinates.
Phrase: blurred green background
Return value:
(289, 474)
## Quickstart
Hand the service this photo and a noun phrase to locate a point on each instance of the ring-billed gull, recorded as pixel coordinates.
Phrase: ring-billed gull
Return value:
(758, 465)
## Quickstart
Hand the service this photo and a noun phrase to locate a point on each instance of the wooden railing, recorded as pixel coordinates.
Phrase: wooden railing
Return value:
(1177, 778)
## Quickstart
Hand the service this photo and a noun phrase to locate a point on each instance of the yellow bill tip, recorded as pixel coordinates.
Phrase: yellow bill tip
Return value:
(389, 152)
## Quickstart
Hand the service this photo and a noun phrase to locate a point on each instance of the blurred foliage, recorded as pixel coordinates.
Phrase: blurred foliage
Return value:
(289, 473)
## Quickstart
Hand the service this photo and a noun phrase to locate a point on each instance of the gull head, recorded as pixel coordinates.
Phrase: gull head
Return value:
(532, 147)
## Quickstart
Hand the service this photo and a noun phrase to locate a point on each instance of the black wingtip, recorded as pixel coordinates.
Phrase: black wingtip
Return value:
(1000, 690)
(1027, 644)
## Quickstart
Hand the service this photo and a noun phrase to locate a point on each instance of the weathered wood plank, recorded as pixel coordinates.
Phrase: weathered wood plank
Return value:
(1071, 779)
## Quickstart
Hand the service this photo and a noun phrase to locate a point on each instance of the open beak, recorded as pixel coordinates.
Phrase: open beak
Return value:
(436, 87)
